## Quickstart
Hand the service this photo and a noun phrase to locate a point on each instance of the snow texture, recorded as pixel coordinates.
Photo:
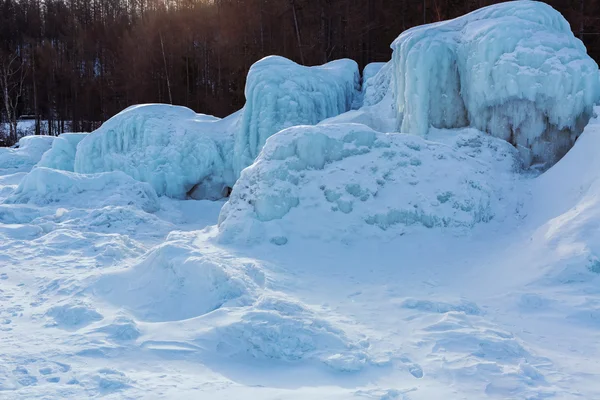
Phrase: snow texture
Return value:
(176, 281)
(44, 186)
(334, 181)
(280, 93)
(514, 70)
(62, 154)
(279, 328)
(172, 148)
(25, 155)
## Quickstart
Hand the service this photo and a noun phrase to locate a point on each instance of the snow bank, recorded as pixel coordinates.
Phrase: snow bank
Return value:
(280, 93)
(44, 186)
(62, 154)
(174, 149)
(514, 70)
(347, 181)
(25, 155)
(177, 281)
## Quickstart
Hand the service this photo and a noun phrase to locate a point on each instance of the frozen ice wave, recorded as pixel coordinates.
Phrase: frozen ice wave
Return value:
(514, 70)
(45, 186)
(172, 148)
(280, 93)
(62, 154)
(28, 152)
(337, 181)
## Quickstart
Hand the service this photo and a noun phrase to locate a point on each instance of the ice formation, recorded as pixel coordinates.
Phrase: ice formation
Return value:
(377, 111)
(45, 186)
(25, 155)
(62, 154)
(513, 70)
(280, 93)
(174, 149)
(338, 181)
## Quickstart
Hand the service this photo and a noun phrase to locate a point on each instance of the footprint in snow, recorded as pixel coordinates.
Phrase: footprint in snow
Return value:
(414, 368)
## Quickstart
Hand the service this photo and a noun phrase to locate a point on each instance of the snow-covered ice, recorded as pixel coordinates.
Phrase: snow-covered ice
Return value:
(43, 186)
(280, 93)
(28, 152)
(338, 182)
(171, 147)
(62, 154)
(514, 70)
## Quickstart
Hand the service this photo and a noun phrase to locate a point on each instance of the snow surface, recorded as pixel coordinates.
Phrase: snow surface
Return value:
(514, 70)
(62, 154)
(280, 93)
(172, 148)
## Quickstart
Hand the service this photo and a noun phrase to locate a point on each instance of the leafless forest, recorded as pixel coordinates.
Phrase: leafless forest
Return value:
(76, 63)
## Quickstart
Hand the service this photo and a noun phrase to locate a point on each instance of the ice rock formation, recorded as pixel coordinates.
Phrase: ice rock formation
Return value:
(280, 93)
(25, 155)
(346, 181)
(174, 149)
(513, 70)
(62, 154)
(45, 186)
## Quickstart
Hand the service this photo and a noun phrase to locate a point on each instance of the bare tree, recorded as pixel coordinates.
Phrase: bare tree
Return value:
(12, 77)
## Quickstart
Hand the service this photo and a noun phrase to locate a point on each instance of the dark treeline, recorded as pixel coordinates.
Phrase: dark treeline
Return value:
(75, 63)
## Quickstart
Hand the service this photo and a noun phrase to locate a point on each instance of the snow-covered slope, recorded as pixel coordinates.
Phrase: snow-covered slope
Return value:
(280, 93)
(172, 148)
(344, 181)
(514, 70)
(62, 154)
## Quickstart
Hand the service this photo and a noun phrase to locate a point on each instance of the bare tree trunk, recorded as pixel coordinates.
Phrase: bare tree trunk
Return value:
(297, 31)
(166, 70)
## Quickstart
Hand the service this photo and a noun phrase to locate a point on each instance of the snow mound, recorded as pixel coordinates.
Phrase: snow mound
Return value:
(280, 93)
(513, 70)
(72, 316)
(25, 155)
(44, 186)
(62, 154)
(347, 181)
(177, 281)
(172, 148)
(283, 329)
(566, 209)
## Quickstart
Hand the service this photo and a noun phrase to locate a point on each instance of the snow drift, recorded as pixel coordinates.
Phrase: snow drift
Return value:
(25, 155)
(280, 328)
(177, 281)
(514, 70)
(45, 186)
(62, 154)
(280, 93)
(343, 181)
(174, 149)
